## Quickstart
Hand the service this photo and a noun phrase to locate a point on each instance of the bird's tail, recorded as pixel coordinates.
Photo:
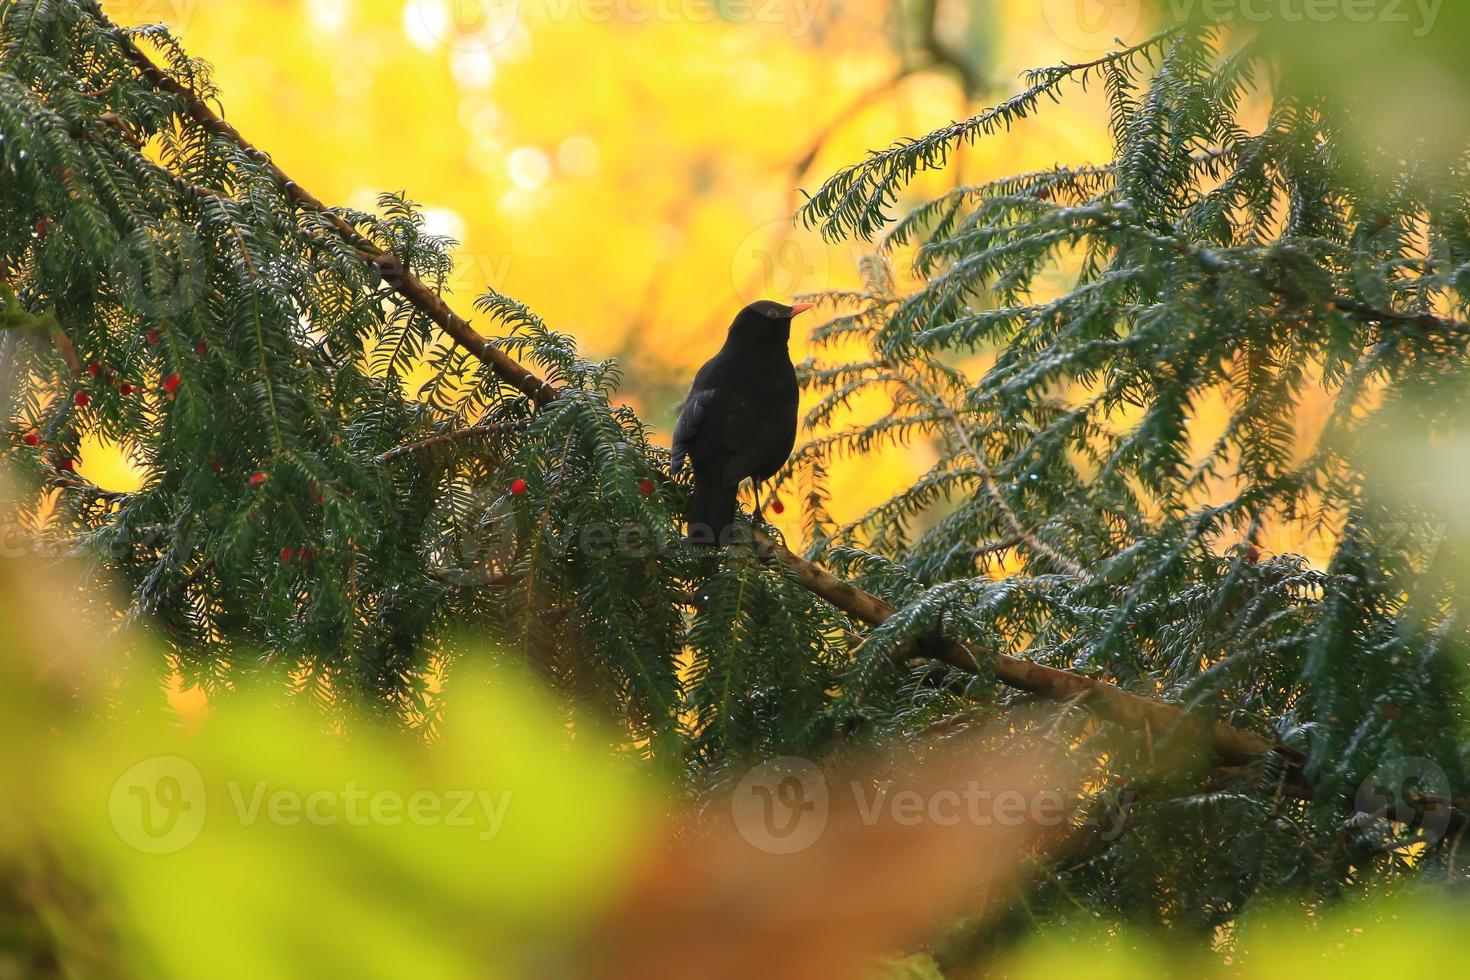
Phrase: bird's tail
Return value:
(711, 513)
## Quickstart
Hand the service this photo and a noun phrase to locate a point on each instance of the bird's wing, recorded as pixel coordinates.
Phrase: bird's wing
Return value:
(747, 435)
(696, 406)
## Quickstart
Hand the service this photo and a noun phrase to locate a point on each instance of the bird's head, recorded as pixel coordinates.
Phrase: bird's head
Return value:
(766, 322)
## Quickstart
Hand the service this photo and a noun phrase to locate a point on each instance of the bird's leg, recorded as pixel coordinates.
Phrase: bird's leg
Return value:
(759, 517)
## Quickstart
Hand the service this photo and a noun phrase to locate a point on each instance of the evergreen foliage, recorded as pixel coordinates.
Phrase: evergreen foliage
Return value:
(1072, 516)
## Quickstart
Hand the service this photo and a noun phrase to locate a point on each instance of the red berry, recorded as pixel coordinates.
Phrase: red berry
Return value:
(126, 388)
(305, 555)
(43, 226)
(111, 378)
(94, 368)
(257, 479)
(777, 506)
(153, 338)
(66, 463)
(1043, 195)
(82, 399)
(215, 464)
(286, 555)
(171, 383)
(201, 349)
(645, 487)
(518, 487)
(31, 438)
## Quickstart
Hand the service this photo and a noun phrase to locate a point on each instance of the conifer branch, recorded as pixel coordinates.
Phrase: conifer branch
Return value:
(1017, 527)
(404, 282)
(1191, 286)
(1106, 700)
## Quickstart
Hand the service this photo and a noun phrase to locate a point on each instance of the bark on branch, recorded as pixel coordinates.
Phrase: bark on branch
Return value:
(1105, 700)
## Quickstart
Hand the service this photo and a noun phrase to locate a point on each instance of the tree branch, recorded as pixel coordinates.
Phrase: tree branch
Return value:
(1373, 314)
(472, 432)
(1108, 701)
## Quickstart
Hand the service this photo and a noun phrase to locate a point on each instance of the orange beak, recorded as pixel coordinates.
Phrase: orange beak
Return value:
(801, 308)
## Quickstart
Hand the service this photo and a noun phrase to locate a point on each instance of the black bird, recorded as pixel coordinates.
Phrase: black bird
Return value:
(740, 418)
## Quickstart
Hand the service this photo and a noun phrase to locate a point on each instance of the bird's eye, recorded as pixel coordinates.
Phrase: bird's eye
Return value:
(771, 314)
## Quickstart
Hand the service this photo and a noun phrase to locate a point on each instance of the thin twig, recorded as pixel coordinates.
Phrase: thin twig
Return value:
(473, 432)
(86, 486)
(987, 479)
(1374, 314)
